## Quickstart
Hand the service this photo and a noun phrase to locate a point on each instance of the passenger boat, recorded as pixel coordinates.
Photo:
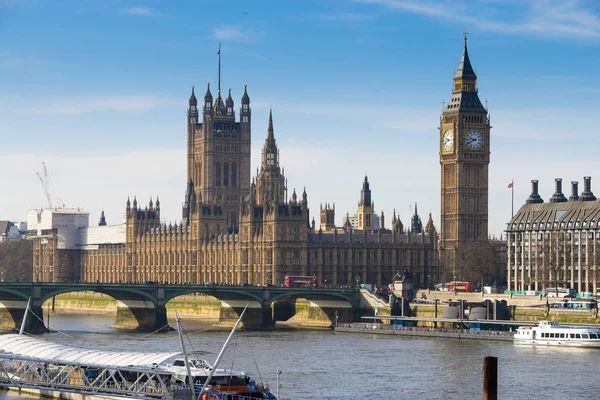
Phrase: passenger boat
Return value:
(550, 333)
(227, 383)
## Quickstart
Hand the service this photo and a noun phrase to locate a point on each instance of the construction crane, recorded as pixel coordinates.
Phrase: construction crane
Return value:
(46, 186)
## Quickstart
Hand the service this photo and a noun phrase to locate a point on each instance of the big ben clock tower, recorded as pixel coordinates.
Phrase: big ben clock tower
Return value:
(464, 159)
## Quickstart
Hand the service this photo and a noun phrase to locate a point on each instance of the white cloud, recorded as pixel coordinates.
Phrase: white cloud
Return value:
(88, 104)
(555, 18)
(345, 17)
(140, 11)
(235, 33)
(95, 182)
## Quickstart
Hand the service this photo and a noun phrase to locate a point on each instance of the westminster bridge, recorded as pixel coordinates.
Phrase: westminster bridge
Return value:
(145, 304)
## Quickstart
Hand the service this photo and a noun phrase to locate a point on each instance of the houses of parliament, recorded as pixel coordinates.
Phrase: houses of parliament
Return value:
(242, 229)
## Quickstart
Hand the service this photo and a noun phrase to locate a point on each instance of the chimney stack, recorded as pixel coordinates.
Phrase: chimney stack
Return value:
(574, 191)
(587, 194)
(534, 197)
(558, 196)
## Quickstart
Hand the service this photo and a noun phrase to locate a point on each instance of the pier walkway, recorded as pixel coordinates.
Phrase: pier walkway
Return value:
(386, 329)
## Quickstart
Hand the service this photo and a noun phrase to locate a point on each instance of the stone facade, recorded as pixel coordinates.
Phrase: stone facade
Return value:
(555, 243)
(235, 230)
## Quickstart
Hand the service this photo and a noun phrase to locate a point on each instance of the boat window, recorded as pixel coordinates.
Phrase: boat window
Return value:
(199, 380)
(178, 363)
(577, 336)
(584, 336)
(551, 335)
(593, 336)
(572, 336)
(562, 335)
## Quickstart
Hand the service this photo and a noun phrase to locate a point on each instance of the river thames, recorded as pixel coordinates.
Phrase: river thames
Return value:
(326, 365)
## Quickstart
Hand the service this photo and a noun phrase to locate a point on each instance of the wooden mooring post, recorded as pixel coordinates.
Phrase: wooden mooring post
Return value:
(490, 378)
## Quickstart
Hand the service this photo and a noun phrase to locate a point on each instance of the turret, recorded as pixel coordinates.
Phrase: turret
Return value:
(430, 227)
(220, 110)
(327, 217)
(416, 226)
(229, 105)
(245, 112)
(365, 194)
(208, 99)
(193, 109)
(102, 219)
(294, 197)
(365, 212)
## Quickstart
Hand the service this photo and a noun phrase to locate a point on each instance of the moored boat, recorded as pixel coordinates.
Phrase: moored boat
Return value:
(550, 333)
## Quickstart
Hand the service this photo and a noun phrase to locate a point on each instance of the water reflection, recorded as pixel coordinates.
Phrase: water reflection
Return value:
(325, 365)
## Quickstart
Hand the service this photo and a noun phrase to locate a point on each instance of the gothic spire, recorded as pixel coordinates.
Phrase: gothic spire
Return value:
(465, 69)
(365, 194)
(219, 104)
(271, 133)
(245, 97)
(229, 100)
(193, 101)
(208, 96)
(102, 219)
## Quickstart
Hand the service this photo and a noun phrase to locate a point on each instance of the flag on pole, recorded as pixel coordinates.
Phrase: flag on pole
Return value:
(510, 185)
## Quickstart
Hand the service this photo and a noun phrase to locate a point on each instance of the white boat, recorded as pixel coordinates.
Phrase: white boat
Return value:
(549, 333)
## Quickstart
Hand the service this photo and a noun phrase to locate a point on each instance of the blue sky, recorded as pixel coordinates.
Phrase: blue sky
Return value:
(98, 90)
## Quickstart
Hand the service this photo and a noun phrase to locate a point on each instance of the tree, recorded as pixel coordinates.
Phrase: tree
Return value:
(550, 257)
(474, 261)
(16, 260)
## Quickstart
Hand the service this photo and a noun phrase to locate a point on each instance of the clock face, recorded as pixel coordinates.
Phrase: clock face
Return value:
(448, 140)
(474, 140)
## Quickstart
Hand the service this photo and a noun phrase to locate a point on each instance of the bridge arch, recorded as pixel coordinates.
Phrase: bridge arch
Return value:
(120, 295)
(305, 306)
(307, 294)
(233, 300)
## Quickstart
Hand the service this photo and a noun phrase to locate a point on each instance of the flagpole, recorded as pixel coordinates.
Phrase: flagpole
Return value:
(219, 86)
(512, 193)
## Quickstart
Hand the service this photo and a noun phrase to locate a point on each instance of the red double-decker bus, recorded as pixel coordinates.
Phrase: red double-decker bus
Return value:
(299, 281)
(458, 286)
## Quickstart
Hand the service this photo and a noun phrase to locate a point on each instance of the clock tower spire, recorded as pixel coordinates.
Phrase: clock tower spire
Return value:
(464, 159)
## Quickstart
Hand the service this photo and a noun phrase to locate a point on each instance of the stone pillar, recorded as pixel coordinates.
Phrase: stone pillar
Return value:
(141, 315)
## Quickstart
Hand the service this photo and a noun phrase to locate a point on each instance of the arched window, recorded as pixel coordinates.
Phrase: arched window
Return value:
(233, 174)
(218, 174)
(225, 174)
(233, 220)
